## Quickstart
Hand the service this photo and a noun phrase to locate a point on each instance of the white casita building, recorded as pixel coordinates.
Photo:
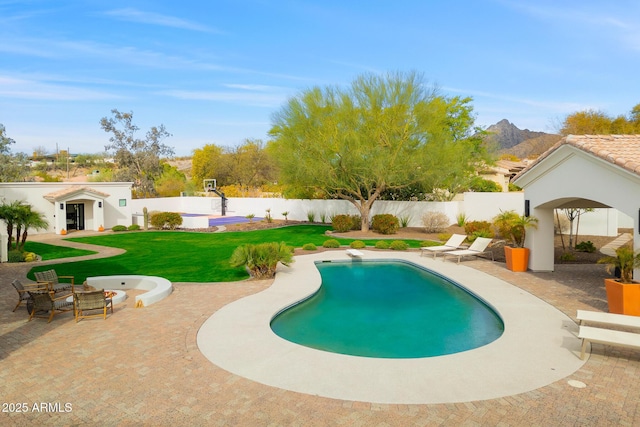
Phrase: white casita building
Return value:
(74, 205)
(580, 171)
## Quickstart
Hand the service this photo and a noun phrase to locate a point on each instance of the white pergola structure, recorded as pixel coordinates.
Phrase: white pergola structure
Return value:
(580, 171)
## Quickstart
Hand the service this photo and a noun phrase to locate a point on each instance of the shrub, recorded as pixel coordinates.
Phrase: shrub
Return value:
(404, 221)
(117, 228)
(385, 224)
(443, 237)
(309, 247)
(479, 233)
(268, 216)
(344, 223)
(461, 219)
(382, 244)
(399, 245)
(357, 244)
(567, 256)
(331, 243)
(30, 257)
(323, 218)
(473, 226)
(587, 246)
(479, 184)
(161, 220)
(435, 222)
(134, 227)
(15, 255)
(311, 216)
(262, 259)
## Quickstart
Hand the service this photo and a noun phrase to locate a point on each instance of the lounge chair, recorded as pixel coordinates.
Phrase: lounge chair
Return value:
(51, 278)
(452, 244)
(90, 302)
(23, 291)
(47, 305)
(478, 247)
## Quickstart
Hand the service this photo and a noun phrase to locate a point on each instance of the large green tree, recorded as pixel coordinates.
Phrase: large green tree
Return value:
(138, 159)
(593, 122)
(247, 165)
(13, 167)
(382, 133)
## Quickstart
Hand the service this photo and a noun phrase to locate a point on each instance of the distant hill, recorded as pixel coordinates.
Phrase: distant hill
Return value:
(521, 143)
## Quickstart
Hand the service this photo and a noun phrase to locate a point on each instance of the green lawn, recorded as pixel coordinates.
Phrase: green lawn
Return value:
(53, 252)
(183, 256)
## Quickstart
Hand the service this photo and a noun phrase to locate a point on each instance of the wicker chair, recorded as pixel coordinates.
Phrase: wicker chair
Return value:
(47, 305)
(23, 291)
(91, 301)
(52, 279)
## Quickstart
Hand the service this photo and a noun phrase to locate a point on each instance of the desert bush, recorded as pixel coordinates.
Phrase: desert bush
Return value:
(118, 228)
(162, 220)
(479, 184)
(30, 257)
(309, 247)
(404, 221)
(587, 246)
(357, 244)
(15, 255)
(435, 222)
(473, 226)
(262, 259)
(443, 237)
(382, 244)
(311, 216)
(343, 223)
(331, 243)
(479, 233)
(461, 219)
(133, 227)
(385, 224)
(398, 245)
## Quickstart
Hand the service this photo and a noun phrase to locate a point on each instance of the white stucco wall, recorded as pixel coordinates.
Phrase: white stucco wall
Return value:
(33, 193)
(569, 175)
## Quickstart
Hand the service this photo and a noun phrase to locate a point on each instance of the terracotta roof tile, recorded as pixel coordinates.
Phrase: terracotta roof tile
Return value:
(621, 150)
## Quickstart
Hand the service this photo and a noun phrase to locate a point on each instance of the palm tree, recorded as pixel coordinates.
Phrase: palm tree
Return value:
(30, 219)
(10, 213)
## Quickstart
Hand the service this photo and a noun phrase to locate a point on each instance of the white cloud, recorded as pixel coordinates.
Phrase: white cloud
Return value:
(11, 87)
(134, 15)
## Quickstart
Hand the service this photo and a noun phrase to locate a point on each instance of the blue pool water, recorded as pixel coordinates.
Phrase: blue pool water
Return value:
(388, 309)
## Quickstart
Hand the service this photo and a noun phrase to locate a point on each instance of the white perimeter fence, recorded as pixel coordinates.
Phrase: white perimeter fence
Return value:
(475, 206)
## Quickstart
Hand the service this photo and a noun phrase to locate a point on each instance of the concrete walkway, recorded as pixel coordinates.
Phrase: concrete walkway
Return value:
(143, 367)
(610, 248)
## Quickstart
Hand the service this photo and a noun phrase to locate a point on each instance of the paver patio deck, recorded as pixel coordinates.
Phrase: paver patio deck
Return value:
(143, 367)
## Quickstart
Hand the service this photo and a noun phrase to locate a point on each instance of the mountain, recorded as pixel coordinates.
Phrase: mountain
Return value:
(521, 143)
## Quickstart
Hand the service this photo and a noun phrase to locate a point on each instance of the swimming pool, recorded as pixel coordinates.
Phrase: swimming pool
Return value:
(538, 347)
(388, 309)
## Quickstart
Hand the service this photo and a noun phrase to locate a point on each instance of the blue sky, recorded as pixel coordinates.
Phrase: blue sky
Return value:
(215, 72)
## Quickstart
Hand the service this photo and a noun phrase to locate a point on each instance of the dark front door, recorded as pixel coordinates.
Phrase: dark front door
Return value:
(75, 216)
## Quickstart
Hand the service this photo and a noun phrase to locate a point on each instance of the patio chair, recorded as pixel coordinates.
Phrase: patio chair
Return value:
(52, 279)
(478, 247)
(91, 301)
(23, 292)
(452, 244)
(47, 305)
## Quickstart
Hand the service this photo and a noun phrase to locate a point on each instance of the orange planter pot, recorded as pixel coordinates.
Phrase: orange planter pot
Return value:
(623, 298)
(517, 258)
(63, 231)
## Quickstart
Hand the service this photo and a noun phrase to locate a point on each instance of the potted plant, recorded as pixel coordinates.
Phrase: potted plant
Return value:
(623, 295)
(513, 227)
